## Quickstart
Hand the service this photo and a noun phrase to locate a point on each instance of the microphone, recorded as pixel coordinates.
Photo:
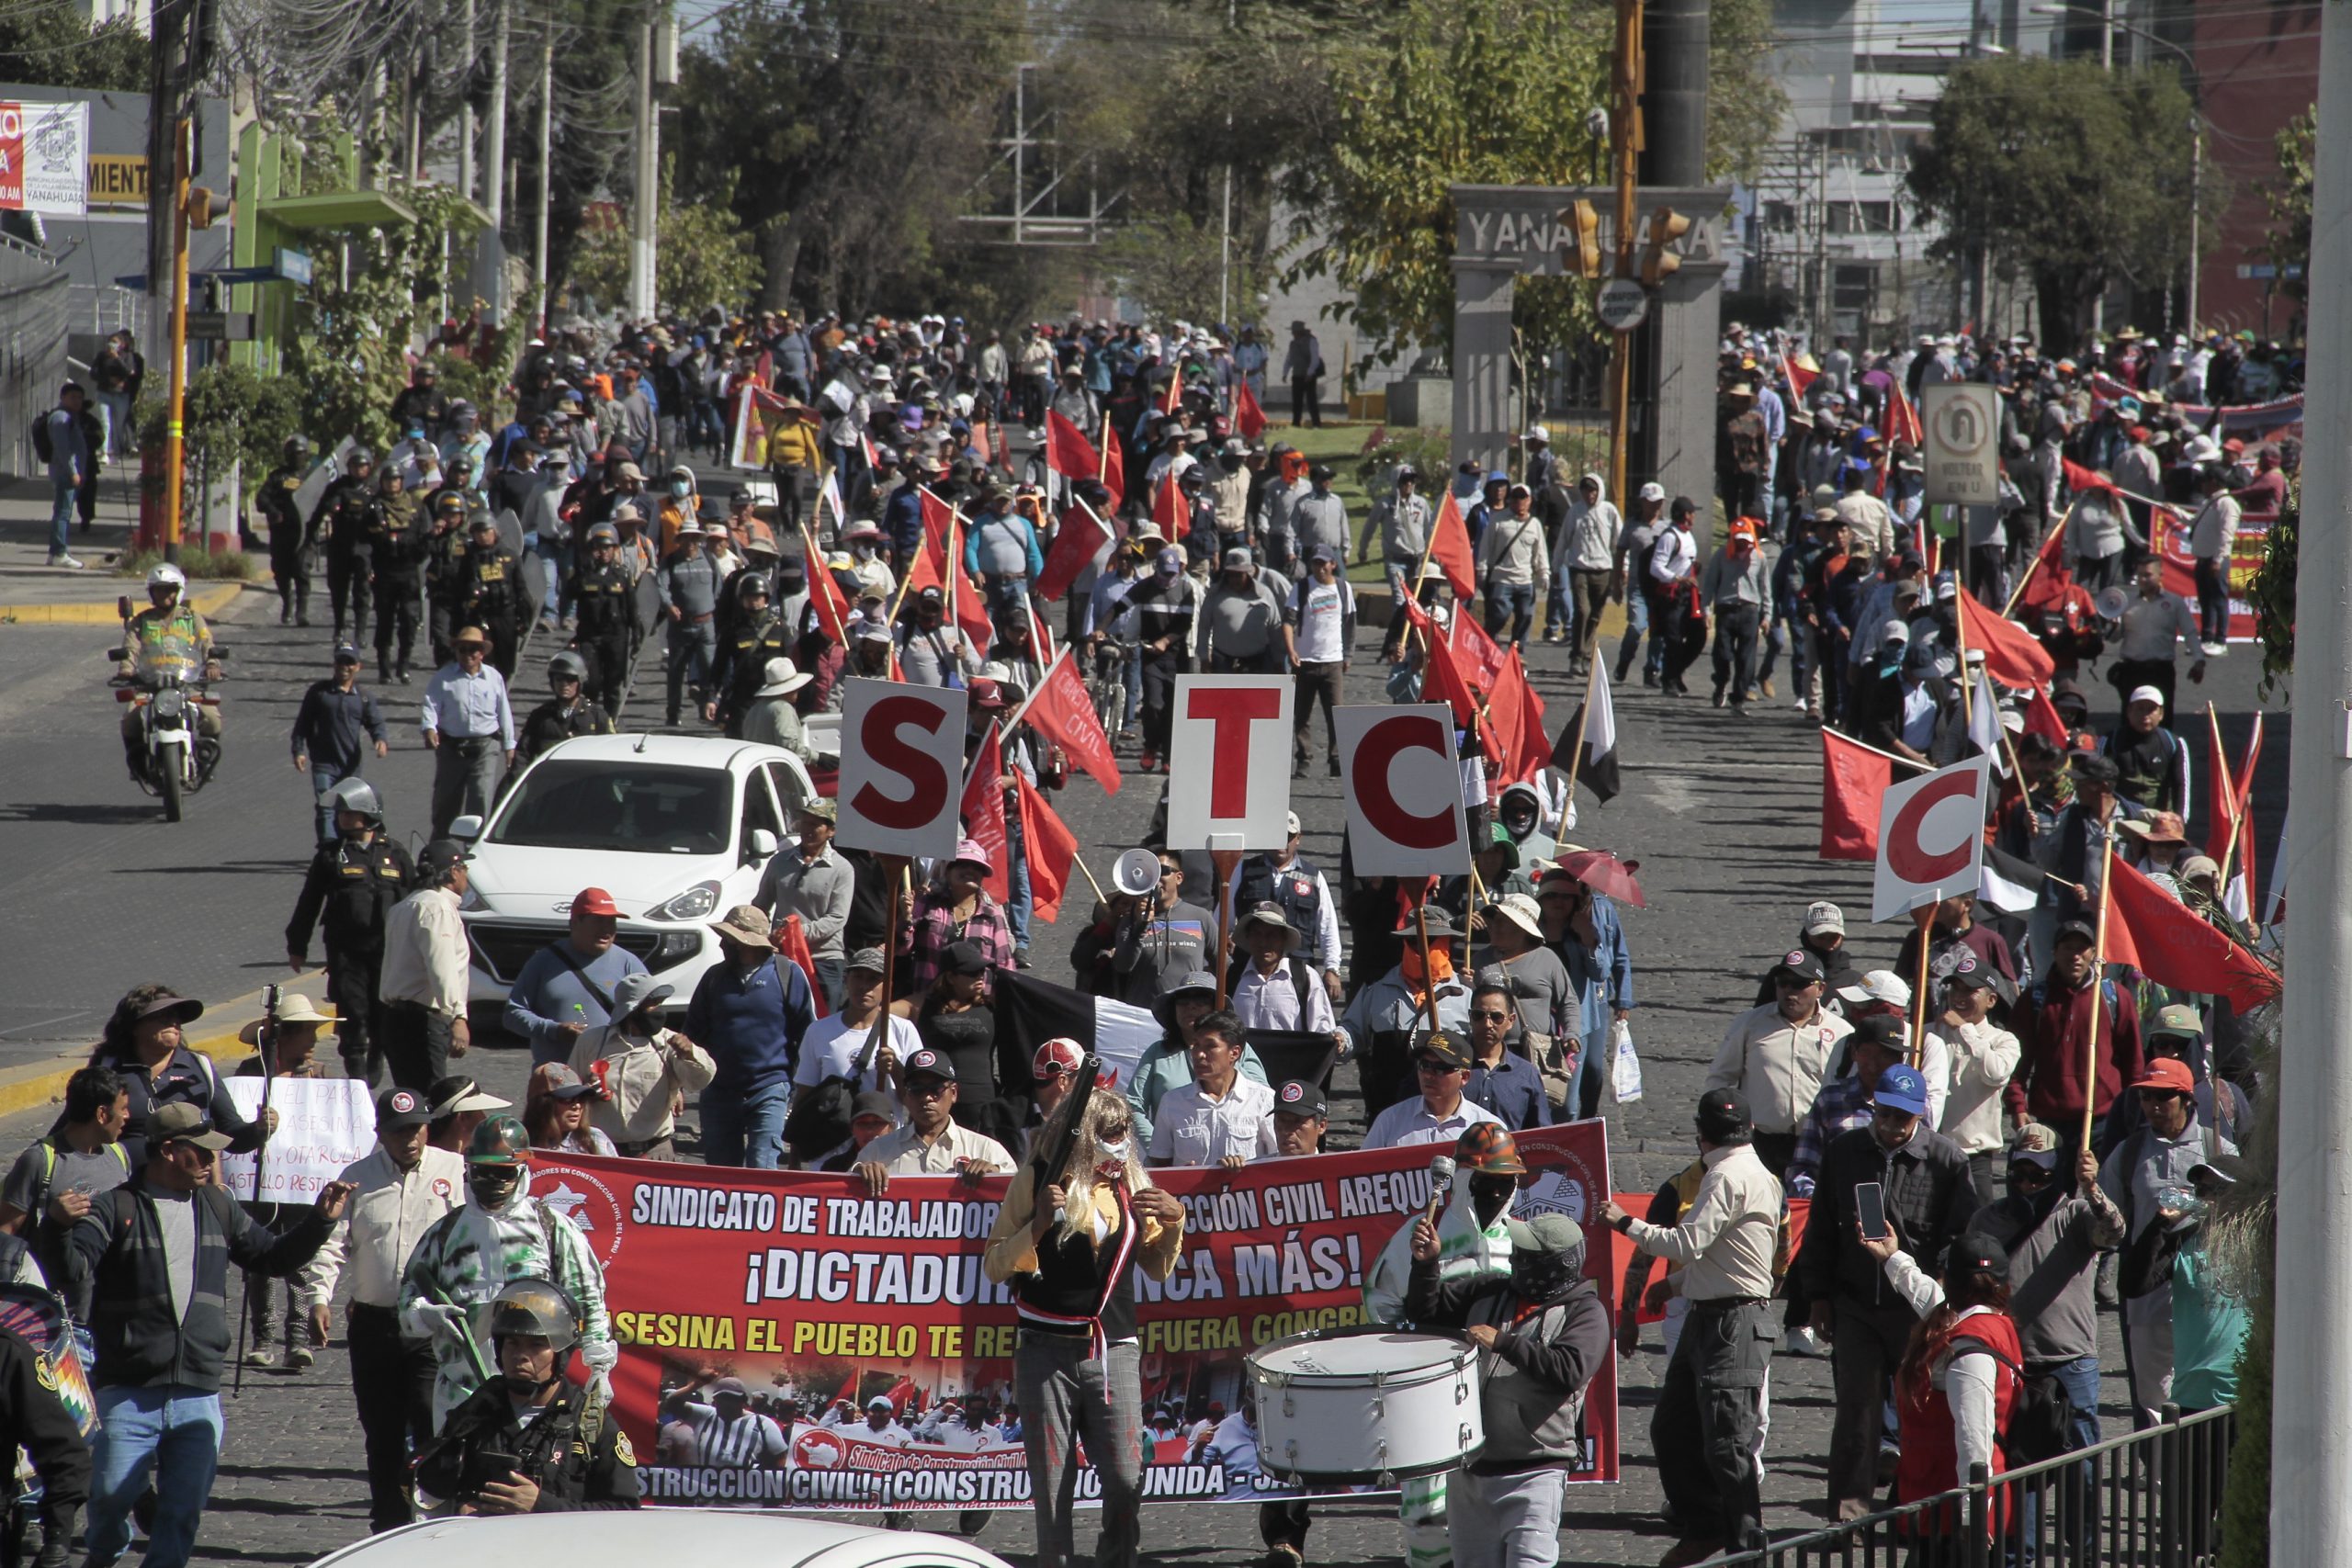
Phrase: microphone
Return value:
(1441, 1185)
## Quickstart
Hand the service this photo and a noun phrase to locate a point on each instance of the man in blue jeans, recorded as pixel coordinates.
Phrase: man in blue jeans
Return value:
(148, 1271)
(751, 1013)
(70, 463)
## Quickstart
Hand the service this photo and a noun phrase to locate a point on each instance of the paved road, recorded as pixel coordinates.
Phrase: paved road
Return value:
(1723, 813)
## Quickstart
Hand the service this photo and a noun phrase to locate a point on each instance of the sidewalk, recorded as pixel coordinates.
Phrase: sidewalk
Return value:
(34, 592)
(42, 1083)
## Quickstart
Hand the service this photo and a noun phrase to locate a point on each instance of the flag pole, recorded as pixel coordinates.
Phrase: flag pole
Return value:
(1102, 458)
(1584, 726)
(2035, 564)
(2098, 981)
(1226, 862)
(2237, 816)
(1926, 918)
(1080, 861)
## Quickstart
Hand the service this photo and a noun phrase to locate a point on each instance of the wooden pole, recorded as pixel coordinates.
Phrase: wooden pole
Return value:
(2237, 816)
(1227, 862)
(2098, 983)
(1584, 725)
(2035, 565)
(900, 883)
(1421, 932)
(1927, 916)
(1080, 861)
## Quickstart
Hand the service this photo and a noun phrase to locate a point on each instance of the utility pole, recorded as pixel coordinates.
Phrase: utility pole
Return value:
(466, 161)
(546, 170)
(493, 137)
(1224, 238)
(1624, 151)
(649, 177)
(2311, 1377)
(174, 413)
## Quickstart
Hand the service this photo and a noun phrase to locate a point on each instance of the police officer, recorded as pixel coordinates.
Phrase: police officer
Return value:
(567, 1452)
(457, 479)
(760, 566)
(759, 636)
(445, 553)
(343, 516)
(397, 536)
(490, 592)
(290, 556)
(606, 628)
(352, 884)
(690, 584)
(569, 713)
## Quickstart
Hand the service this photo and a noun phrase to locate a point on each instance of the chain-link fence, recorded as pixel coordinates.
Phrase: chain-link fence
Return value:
(33, 326)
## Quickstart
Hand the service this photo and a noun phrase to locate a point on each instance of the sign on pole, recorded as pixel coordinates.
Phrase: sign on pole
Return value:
(44, 158)
(322, 1125)
(1962, 426)
(1403, 791)
(1621, 305)
(903, 767)
(1930, 838)
(1229, 762)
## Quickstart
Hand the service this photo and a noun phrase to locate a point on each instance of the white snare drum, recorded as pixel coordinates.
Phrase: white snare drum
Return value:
(1366, 1405)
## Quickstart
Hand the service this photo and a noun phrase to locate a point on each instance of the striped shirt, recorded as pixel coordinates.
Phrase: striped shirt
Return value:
(748, 1442)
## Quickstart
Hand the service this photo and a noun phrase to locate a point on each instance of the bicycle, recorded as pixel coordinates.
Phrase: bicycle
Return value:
(1108, 683)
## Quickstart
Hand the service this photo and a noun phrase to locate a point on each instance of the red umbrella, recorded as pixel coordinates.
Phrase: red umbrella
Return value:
(1604, 873)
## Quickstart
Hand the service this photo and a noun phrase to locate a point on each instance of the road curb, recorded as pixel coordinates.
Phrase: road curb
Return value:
(37, 1084)
(208, 602)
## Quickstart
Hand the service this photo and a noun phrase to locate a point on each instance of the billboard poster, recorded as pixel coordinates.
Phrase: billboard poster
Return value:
(44, 154)
(866, 1330)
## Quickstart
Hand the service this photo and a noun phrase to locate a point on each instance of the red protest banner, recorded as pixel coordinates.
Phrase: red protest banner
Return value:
(824, 1300)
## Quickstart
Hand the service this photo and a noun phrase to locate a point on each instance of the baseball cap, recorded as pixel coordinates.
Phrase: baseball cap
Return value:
(1802, 963)
(873, 1102)
(1297, 1098)
(2035, 1144)
(2083, 929)
(730, 1388)
(1976, 1253)
(1652, 492)
(966, 958)
(562, 1082)
(1545, 1232)
(970, 852)
(1239, 559)
(1901, 1088)
(869, 959)
(2178, 1019)
(1879, 985)
(1823, 916)
(440, 855)
(1882, 1030)
(2144, 695)
(397, 1107)
(345, 654)
(594, 901)
(927, 1063)
(180, 1123)
(1443, 1046)
(2167, 1073)
(1060, 1055)
(880, 1401)
(1724, 1117)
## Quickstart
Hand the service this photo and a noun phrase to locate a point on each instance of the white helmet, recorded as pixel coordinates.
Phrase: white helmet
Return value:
(165, 575)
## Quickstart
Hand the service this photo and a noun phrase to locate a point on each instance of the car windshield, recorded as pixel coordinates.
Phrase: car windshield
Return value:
(632, 808)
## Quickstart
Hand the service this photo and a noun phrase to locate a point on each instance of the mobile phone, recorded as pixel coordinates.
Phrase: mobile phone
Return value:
(1870, 1207)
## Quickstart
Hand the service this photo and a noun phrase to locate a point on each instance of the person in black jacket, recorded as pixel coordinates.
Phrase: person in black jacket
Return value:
(143, 1042)
(561, 717)
(289, 557)
(445, 555)
(34, 1419)
(1929, 1196)
(399, 535)
(148, 1272)
(345, 514)
(332, 729)
(351, 885)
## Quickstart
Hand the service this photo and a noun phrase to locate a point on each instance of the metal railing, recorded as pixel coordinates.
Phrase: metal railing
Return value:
(32, 350)
(2149, 1499)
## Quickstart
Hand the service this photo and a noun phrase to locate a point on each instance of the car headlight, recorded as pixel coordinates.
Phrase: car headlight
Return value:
(695, 902)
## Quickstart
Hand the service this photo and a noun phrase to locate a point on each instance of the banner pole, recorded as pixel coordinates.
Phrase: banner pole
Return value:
(1227, 862)
(2035, 564)
(1584, 727)
(2098, 983)
(1926, 918)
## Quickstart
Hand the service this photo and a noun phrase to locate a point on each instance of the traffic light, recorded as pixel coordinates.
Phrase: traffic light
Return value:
(205, 207)
(1658, 264)
(1581, 222)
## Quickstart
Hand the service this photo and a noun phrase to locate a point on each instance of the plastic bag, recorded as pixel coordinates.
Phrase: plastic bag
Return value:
(1624, 1065)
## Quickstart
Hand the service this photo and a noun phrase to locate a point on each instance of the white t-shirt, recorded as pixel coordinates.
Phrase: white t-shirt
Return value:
(1321, 612)
(830, 1049)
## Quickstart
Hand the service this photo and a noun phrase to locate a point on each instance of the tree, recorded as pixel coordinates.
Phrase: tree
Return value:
(2073, 175)
(2290, 200)
(703, 258)
(56, 46)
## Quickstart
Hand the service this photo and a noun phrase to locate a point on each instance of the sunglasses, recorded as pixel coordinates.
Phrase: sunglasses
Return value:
(1431, 1067)
(1490, 1017)
(926, 1088)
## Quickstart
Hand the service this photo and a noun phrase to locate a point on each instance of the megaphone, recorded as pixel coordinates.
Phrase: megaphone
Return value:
(2112, 602)
(1136, 872)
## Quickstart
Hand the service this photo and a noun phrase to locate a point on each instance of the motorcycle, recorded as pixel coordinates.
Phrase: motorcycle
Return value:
(172, 758)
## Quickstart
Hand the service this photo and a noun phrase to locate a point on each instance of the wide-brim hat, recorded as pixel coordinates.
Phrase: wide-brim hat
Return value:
(294, 1012)
(782, 677)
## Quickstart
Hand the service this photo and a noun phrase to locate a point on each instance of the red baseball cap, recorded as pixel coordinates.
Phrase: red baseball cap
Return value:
(2169, 1073)
(595, 901)
(1057, 1055)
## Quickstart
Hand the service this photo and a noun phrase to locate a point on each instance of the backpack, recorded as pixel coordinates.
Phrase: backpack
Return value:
(2042, 1417)
(43, 447)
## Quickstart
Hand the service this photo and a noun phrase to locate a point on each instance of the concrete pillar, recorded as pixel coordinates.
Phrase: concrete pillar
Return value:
(1482, 401)
(1674, 413)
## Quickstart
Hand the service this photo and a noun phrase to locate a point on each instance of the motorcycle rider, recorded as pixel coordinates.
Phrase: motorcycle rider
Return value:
(343, 515)
(490, 592)
(568, 1453)
(569, 713)
(166, 636)
(351, 885)
(290, 556)
(466, 1258)
(397, 546)
(445, 549)
(606, 625)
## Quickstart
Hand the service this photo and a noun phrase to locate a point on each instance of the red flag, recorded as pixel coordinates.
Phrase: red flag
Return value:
(791, 941)
(1372, 441)
(1114, 463)
(1442, 678)
(1902, 419)
(2047, 588)
(2156, 934)
(1249, 418)
(1450, 549)
(1170, 509)
(971, 606)
(831, 604)
(1068, 451)
(2041, 718)
(2012, 655)
(1518, 716)
(1048, 847)
(1478, 654)
(2232, 814)
(1798, 379)
(1083, 539)
(929, 568)
(983, 813)
(1063, 711)
(1854, 778)
(1041, 636)
(2079, 479)
(873, 458)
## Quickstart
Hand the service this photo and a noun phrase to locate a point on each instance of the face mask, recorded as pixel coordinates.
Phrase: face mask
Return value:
(1113, 1154)
(680, 488)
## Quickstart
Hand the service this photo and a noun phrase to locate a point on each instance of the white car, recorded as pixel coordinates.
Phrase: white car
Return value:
(675, 827)
(631, 1538)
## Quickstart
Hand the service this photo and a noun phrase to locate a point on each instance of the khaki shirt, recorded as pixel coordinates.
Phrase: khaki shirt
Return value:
(1728, 1237)
(382, 1225)
(903, 1152)
(1777, 1066)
